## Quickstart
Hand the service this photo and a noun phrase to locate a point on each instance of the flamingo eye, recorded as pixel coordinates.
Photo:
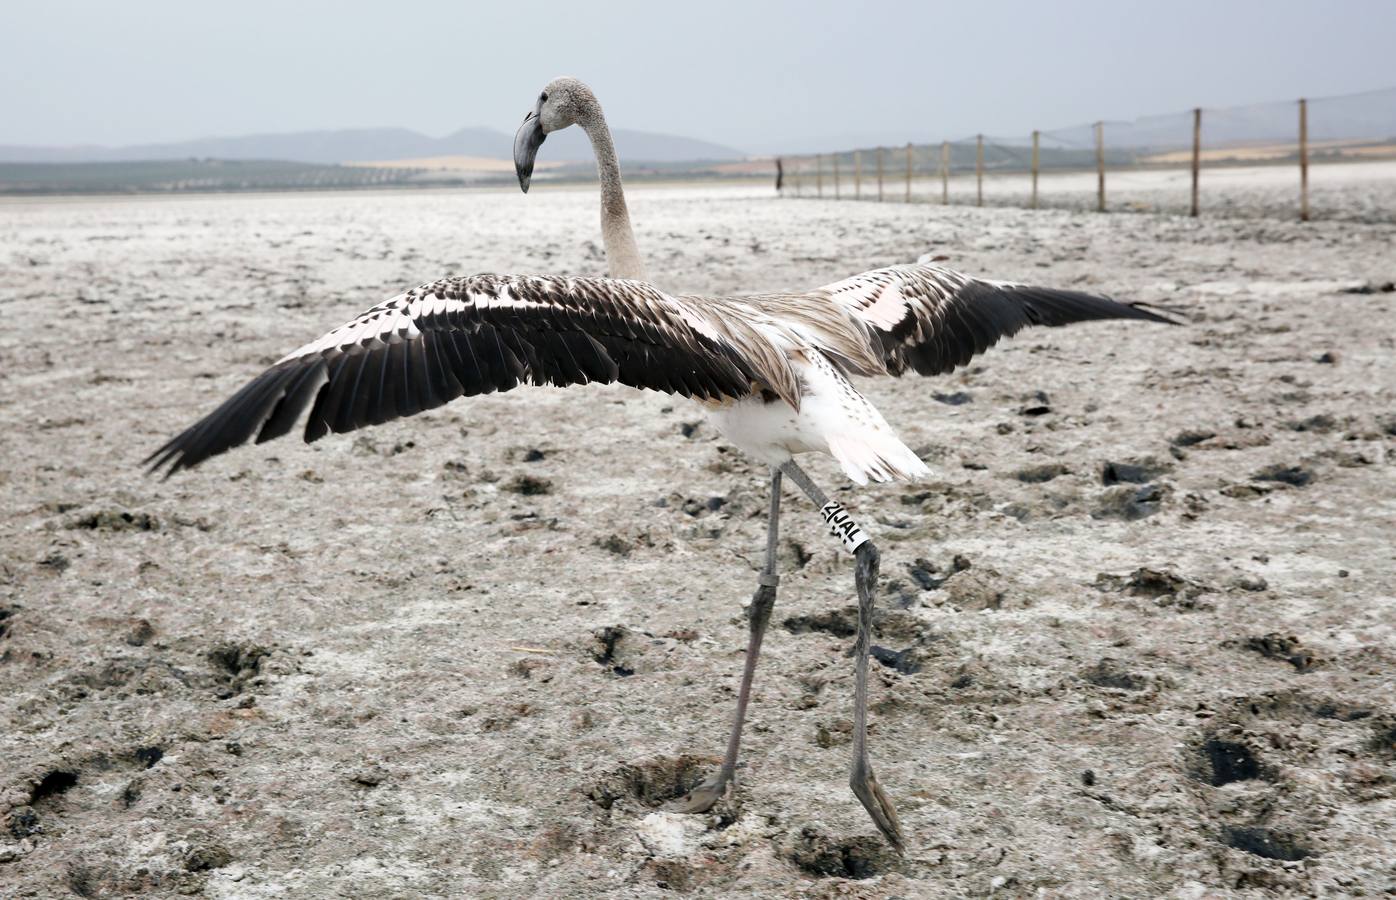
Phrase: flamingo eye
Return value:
(543, 97)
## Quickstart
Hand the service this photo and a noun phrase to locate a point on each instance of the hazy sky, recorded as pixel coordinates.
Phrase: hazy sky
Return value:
(750, 74)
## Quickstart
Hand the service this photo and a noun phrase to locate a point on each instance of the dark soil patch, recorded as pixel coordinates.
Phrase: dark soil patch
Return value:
(1265, 842)
(528, 486)
(907, 662)
(22, 822)
(1284, 647)
(1041, 474)
(1141, 472)
(234, 664)
(1227, 761)
(54, 783)
(1297, 476)
(1146, 582)
(891, 624)
(116, 520)
(821, 855)
(652, 782)
(1110, 673)
(1130, 503)
(1191, 437)
(837, 622)
(148, 756)
(605, 643)
(1384, 738)
(924, 573)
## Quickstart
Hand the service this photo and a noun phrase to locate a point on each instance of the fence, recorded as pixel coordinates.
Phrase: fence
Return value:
(1333, 158)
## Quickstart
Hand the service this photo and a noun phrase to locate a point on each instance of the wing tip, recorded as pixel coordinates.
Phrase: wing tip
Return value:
(1154, 312)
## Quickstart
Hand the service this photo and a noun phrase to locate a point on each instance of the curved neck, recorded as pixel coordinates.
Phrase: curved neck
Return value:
(622, 254)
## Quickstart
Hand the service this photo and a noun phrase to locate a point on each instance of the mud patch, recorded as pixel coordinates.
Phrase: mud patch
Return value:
(1283, 647)
(1265, 842)
(824, 856)
(1295, 476)
(59, 781)
(841, 623)
(652, 782)
(1223, 762)
(234, 665)
(116, 520)
(1112, 673)
(1041, 474)
(1134, 472)
(907, 662)
(1130, 503)
(606, 648)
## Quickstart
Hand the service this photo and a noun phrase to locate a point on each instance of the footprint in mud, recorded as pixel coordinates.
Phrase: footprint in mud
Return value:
(1283, 647)
(1383, 740)
(891, 624)
(608, 648)
(235, 664)
(6, 615)
(1265, 842)
(1137, 471)
(1221, 762)
(1294, 476)
(823, 856)
(49, 792)
(1111, 673)
(652, 782)
(1231, 753)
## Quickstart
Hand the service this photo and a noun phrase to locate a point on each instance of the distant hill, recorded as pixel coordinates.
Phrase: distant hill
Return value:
(383, 144)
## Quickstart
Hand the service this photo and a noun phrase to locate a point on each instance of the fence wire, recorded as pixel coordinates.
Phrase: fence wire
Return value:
(1332, 158)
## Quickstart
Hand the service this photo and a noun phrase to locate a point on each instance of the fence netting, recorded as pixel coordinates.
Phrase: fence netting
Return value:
(1248, 160)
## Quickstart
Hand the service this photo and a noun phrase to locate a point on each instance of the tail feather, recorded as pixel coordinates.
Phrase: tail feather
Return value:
(876, 456)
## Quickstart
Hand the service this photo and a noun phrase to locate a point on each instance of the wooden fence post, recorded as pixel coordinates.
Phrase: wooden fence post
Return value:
(1035, 135)
(908, 171)
(1196, 155)
(1100, 166)
(879, 174)
(836, 176)
(819, 174)
(945, 172)
(979, 170)
(1303, 160)
(857, 175)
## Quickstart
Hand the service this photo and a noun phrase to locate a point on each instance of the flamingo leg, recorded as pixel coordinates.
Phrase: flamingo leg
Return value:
(701, 798)
(862, 780)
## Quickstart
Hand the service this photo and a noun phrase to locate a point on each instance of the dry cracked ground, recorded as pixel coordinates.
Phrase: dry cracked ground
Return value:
(1136, 634)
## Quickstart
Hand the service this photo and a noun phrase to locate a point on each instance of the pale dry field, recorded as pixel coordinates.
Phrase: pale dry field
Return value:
(1139, 627)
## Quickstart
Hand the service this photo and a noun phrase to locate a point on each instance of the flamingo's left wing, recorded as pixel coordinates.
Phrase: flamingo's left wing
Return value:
(931, 319)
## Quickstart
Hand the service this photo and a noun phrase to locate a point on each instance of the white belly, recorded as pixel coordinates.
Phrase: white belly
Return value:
(768, 432)
(833, 418)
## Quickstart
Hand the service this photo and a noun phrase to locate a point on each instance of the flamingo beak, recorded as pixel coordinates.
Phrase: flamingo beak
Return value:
(527, 140)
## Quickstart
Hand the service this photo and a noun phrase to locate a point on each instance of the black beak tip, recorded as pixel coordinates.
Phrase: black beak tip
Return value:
(527, 140)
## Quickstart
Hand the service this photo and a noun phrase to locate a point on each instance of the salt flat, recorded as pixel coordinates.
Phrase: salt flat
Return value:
(1139, 625)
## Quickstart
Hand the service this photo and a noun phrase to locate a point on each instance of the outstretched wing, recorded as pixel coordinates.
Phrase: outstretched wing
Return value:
(931, 319)
(473, 335)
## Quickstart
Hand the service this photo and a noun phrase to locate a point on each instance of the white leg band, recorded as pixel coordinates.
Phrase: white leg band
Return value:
(842, 526)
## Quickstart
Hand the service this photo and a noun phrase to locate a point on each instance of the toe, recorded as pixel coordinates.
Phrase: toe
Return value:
(699, 800)
(880, 810)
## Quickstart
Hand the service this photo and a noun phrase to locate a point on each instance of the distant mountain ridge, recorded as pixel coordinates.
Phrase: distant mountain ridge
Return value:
(383, 144)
